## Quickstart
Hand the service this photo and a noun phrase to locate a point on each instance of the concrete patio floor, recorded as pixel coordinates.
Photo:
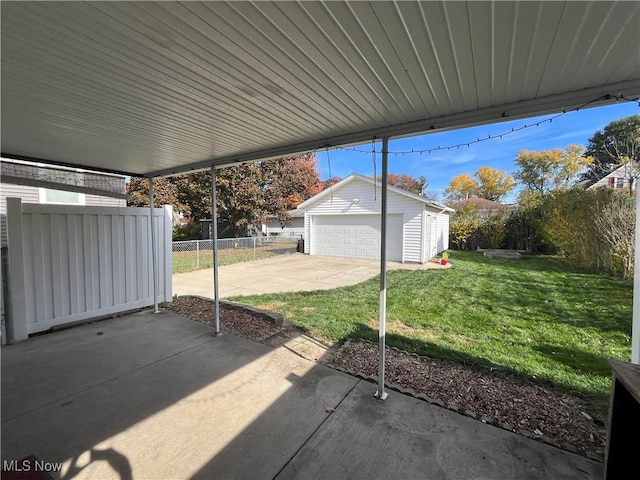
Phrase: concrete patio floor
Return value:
(286, 273)
(157, 396)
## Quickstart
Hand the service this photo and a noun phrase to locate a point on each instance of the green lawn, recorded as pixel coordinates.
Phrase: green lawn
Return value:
(535, 317)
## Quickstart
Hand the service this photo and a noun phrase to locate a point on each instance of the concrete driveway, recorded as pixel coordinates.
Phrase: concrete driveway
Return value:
(286, 273)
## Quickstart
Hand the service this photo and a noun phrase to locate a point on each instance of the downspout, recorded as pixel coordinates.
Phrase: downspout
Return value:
(154, 247)
(380, 393)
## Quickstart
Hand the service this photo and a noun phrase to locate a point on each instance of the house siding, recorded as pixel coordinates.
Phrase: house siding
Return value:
(273, 227)
(442, 232)
(341, 202)
(424, 237)
(432, 222)
(624, 173)
(307, 233)
(413, 235)
(30, 194)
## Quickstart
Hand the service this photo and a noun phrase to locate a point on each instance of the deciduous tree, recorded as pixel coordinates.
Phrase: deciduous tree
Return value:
(286, 183)
(248, 194)
(408, 182)
(493, 184)
(461, 187)
(614, 145)
(164, 193)
(616, 224)
(489, 183)
(551, 169)
(194, 190)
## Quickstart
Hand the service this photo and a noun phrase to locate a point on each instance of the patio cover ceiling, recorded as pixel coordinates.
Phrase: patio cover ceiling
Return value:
(153, 89)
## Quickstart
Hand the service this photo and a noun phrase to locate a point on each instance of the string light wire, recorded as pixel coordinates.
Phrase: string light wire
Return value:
(373, 154)
(330, 176)
(490, 136)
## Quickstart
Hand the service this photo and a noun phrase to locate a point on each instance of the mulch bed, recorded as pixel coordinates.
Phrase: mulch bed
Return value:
(506, 401)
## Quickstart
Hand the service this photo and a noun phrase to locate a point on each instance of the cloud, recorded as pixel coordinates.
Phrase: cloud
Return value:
(463, 158)
(585, 133)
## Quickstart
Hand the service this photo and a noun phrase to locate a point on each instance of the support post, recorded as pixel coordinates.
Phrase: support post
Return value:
(154, 247)
(380, 393)
(635, 326)
(214, 230)
(16, 307)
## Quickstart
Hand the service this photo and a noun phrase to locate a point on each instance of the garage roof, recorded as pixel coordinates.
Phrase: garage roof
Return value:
(155, 88)
(327, 192)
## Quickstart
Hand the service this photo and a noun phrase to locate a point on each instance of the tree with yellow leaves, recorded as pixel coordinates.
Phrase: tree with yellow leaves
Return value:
(461, 187)
(551, 169)
(489, 183)
(493, 184)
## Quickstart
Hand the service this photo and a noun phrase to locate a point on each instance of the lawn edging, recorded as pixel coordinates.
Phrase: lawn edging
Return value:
(271, 317)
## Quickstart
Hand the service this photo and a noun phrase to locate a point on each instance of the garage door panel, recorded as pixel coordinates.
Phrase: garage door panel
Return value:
(355, 236)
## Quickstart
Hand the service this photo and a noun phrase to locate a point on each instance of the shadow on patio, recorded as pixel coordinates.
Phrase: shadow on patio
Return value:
(156, 396)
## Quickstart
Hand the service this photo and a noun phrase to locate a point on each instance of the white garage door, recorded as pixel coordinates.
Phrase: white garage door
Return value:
(355, 236)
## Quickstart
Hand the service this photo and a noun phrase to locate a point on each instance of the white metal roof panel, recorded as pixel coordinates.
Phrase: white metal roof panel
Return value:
(152, 88)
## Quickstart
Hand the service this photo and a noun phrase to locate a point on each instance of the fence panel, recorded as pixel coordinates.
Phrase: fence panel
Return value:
(198, 254)
(72, 263)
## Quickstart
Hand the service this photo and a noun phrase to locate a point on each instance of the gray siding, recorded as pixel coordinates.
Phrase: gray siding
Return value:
(273, 227)
(32, 195)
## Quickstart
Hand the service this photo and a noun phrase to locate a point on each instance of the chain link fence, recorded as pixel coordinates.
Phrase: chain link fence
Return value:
(196, 254)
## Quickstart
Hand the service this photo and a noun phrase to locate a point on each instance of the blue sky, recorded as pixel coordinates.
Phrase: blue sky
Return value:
(441, 166)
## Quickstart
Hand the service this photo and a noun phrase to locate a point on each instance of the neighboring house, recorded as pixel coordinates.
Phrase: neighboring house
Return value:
(272, 227)
(294, 229)
(23, 180)
(619, 179)
(483, 207)
(344, 220)
(225, 230)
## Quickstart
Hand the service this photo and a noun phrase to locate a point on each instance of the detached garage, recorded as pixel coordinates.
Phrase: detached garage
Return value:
(344, 221)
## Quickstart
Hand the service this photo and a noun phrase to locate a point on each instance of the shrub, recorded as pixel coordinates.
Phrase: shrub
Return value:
(189, 231)
(616, 224)
(464, 225)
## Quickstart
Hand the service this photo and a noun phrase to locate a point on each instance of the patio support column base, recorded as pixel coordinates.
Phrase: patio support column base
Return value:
(381, 397)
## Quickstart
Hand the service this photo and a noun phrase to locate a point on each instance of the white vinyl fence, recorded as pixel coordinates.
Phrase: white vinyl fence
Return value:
(72, 263)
